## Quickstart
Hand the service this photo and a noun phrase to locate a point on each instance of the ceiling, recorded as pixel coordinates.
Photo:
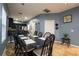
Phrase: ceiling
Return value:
(26, 11)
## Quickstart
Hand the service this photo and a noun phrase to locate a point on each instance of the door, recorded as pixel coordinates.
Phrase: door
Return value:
(49, 26)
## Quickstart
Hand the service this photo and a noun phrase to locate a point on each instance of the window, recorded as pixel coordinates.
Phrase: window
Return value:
(4, 17)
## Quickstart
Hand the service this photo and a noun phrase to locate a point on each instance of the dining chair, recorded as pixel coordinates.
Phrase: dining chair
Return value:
(40, 34)
(36, 32)
(10, 35)
(46, 34)
(23, 49)
(17, 46)
(40, 40)
(52, 37)
(47, 48)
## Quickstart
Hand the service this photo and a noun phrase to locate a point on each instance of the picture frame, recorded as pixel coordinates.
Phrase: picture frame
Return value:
(67, 18)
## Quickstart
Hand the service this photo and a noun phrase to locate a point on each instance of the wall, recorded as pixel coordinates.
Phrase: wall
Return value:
(43, 17)
(0, 26)
(63, 27)
(73, 26)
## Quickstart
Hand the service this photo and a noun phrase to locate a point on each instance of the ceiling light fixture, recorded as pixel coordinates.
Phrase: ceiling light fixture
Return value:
(66, 4)
(46, 10)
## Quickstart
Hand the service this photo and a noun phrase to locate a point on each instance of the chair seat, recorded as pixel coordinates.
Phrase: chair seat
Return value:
(37, 52)
(30, 49)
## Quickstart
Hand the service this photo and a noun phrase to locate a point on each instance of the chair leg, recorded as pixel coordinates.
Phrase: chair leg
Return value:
(25, 54)
(17, 51)
(68, 43)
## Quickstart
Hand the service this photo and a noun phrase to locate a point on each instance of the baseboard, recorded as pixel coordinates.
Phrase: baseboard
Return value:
(70, 44)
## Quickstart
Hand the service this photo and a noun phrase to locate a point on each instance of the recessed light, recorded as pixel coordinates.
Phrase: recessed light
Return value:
(66, 4)
(16, 19)
(20, 13)
(22, 3)
(25, 17)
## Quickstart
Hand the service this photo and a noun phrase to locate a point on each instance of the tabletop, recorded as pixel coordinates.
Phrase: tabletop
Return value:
(29, 41)
(24, 37)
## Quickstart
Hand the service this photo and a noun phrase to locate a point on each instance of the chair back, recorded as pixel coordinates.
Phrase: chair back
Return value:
(21, 47)
(48, 46)
(36, 32)
(52, 38)
(40, 34)
(15, 39)
(46, 34)
(16, 44)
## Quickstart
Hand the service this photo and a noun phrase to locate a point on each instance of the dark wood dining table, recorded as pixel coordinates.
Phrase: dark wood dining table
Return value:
(34, 42)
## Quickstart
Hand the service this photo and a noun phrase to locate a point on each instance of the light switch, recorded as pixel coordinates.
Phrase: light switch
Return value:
(72, 30)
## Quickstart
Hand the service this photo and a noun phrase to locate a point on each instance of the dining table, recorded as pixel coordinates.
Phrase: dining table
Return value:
(32, 44)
